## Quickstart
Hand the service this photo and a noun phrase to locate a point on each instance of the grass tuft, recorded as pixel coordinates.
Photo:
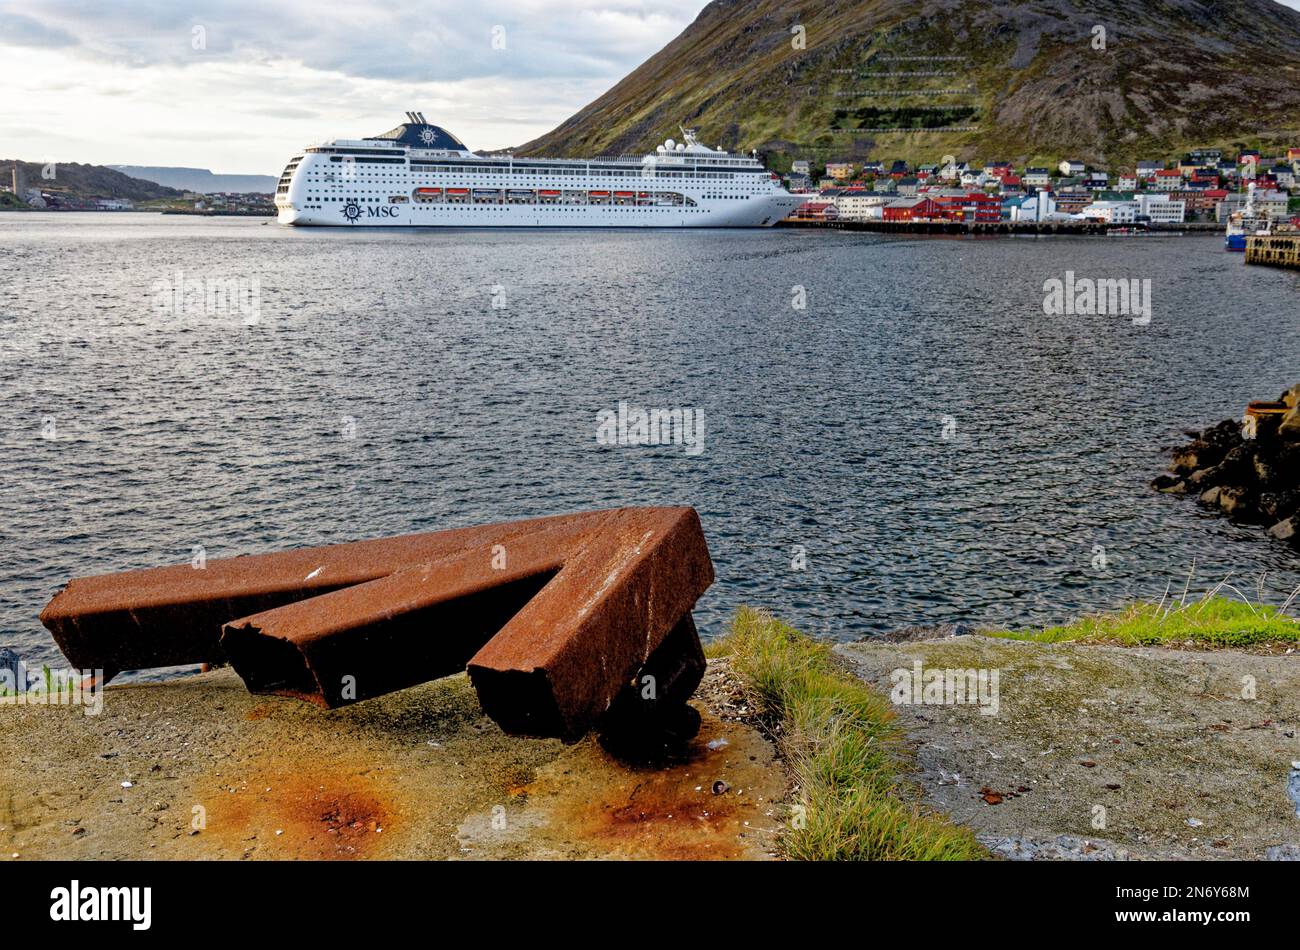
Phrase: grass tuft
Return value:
(840, 740)
(1212, 622)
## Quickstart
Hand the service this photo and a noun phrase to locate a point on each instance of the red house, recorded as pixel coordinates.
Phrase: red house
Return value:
(972, 206)
(910, 209)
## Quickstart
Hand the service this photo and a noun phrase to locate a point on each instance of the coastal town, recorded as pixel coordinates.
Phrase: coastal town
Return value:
(1205, 186)
(49, 193)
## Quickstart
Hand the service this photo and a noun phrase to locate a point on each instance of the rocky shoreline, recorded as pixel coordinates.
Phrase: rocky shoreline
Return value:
(1249, 470)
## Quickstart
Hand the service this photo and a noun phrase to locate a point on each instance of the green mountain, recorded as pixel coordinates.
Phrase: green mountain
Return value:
(86, 180)
(1107, 82)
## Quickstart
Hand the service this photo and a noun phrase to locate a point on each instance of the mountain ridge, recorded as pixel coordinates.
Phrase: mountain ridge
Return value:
(1173, 74)
(201, 180)
(84, 179)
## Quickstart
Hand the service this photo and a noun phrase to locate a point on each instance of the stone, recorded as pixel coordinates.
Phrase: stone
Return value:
(1291, 397)
(1237, 502)
(1279, 504)
(1290, 427)
(1169, 485)
(1210, 497)
(1194, 455)
(1226, 434)
(1286, 530)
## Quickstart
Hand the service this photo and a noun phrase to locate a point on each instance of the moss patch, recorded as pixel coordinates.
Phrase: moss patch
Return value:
(1210, 622)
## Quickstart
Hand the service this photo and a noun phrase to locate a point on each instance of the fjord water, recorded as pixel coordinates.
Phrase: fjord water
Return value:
(934, 445)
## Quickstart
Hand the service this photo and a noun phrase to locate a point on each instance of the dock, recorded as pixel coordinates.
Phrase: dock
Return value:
(993, 228)
(1274, 250)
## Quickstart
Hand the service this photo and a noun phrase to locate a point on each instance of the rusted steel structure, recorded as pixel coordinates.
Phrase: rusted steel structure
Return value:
(558, 620)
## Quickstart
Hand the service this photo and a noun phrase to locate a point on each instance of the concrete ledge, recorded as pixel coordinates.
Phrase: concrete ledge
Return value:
(420, 774)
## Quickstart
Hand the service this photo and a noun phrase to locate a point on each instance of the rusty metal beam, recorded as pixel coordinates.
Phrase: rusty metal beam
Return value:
(552, 616)
(170, 616)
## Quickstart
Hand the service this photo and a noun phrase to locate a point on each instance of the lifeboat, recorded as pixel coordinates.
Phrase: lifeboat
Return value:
(549, 194)
(428, 191)
(598, 194)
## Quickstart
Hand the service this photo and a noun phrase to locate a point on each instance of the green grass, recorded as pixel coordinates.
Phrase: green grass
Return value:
(847, 755)
(1211, 621)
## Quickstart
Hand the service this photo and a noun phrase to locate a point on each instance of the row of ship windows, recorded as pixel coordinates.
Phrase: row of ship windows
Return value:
(644, 171)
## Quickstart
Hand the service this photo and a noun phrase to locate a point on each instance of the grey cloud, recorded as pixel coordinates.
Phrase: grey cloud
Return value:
(414, 40)
(18, 30)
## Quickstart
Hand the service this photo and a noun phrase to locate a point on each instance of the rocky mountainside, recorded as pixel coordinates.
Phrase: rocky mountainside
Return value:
(1108, 82)
(87, 180)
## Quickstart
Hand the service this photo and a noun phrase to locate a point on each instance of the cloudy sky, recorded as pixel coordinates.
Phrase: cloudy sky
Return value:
(240, 85)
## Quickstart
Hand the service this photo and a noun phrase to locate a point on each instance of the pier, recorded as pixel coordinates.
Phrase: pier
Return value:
(977, 228)
(1274, 250)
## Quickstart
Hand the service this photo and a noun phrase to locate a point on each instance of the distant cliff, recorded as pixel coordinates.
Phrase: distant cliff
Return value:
(200, 180)
(82, 179)
(1104, 81)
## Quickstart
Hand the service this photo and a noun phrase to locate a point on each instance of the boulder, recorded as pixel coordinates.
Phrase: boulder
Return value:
(1238, 502)
(1226, 434)
(1198, 454)
(1169, 485)
(1291, 397)
(1290, 427)
(1266, 472)
(1287, 529)
(1238, 465)
(1279, 504)
(1210, 497)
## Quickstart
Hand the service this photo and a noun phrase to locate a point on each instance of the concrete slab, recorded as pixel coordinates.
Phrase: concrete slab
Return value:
(1107, 752)
(215, 773)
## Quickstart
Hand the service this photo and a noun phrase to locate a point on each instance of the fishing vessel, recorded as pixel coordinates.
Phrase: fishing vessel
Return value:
(1248, 222)
(420, 175)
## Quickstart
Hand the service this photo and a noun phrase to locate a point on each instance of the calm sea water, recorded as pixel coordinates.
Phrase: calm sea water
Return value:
(380, 391)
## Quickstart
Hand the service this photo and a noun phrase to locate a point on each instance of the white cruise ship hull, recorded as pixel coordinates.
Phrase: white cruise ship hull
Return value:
(756, 213)
(420, 176)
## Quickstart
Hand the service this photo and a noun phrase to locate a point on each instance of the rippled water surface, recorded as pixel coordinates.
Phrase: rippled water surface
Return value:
(824, 427)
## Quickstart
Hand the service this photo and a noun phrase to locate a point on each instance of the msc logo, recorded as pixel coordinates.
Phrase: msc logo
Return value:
(353, 212)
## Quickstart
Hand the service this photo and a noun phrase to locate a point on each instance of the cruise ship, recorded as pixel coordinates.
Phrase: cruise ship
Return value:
(420, 175)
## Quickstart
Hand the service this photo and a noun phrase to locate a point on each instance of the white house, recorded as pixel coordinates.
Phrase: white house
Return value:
(1036, 178)
(1126, 182)
(1070, 168)
(1160, 209)
(861, 205)
(1112, 212)
(1272, 203)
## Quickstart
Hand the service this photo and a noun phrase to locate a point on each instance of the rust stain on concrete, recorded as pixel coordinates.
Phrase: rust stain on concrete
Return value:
(337, 813)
